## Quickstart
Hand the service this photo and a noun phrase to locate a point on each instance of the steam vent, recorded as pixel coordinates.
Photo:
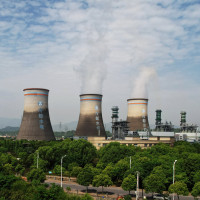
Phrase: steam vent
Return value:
(90, 122)
(36, 123)
(137, 114)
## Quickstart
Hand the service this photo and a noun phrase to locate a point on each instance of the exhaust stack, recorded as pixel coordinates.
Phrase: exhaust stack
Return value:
(36, 123)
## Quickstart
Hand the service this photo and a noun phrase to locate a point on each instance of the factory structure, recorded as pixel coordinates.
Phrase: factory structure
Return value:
(36, 123)
(135, 130)
(188, 132)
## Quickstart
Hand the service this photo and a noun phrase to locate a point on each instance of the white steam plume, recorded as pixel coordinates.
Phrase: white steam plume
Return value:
(93, 68)
(140, 85)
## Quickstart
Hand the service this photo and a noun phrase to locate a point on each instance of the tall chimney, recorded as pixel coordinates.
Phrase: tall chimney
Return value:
(90, 119)
(36, 123)
(137, 114)
(183, 118)
(158, 117)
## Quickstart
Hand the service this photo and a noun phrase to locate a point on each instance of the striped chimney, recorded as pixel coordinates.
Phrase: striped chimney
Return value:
(90, 119)
(36, 123)
(137, 114)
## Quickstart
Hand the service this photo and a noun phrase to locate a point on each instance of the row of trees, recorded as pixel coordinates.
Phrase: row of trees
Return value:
(110, 164)
(14, 188)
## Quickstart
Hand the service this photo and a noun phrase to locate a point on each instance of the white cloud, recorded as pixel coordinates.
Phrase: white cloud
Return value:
(43, 40)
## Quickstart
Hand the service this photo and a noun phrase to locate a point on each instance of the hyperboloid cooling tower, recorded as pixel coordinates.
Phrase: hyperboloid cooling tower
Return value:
(36, 123)
(137, 114)
(90, 119)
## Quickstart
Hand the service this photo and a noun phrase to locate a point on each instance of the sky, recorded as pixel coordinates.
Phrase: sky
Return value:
(119, 48)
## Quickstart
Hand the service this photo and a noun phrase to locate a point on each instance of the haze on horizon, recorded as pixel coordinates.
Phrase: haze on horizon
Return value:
(95, 46)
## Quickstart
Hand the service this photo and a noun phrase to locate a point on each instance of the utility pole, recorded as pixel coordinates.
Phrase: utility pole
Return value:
(37, 159)
(137, 187)
(174, 174)
(61, 169)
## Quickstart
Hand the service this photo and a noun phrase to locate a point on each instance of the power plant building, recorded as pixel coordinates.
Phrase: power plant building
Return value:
(90, 122)
(137, 116)
(36, 123)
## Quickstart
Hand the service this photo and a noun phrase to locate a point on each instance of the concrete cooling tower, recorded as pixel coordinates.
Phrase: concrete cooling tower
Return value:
(137, 114)
(90, 122)
(36, 123)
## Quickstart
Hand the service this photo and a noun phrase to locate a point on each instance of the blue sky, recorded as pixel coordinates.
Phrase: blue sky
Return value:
(99, 46)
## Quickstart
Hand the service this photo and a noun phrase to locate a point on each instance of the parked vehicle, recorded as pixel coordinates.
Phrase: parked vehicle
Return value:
(161, 197)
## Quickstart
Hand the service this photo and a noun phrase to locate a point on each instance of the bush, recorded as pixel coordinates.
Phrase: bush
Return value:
(36, 174)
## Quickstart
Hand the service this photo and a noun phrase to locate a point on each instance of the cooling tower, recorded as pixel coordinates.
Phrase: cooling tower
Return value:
(90, 119)
(137, 114)
(36, 123)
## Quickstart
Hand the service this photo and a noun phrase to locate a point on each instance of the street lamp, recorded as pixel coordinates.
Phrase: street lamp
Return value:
(61, 168)
(130, 162)
(174, 174)
(137, 187)
(37, 159)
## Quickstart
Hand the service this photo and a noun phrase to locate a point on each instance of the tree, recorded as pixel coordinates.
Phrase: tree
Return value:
(56, 193)
(57, 170)
(154, 183)
(102, 180)
(36, 174)
(75, 171)
(179, 188)
(85, 177)
(86, 197)
(196, 177)
(8, 168)
(113, 152)
(129, 183)
(6, 181)
(19, 169)
(196, 190)
(119, 170)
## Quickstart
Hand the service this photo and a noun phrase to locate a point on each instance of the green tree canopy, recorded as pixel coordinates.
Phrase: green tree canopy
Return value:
(129, 183)
(179, 188)
(36, 174)
(85, 177)
(196, 190)
(155, 183)
(102, 180)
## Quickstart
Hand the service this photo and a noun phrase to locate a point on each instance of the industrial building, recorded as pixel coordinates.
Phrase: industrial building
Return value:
(119, 128)
(188, 132)
(133, 131)
(36, 123)
(90, 123)
(162, 127)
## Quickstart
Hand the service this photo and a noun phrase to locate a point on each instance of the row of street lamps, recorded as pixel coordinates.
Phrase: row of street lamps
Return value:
(138, 173)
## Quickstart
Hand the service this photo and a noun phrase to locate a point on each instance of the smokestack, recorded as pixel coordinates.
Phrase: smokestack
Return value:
(183, 118)
(90, 119)
(137, 114)
(158, 117)
(36, 123)
(115, 112)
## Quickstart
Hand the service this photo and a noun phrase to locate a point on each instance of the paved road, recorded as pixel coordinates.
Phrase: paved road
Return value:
(111, 191)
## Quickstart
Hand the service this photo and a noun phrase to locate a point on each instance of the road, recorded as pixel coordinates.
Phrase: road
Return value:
(111, 191)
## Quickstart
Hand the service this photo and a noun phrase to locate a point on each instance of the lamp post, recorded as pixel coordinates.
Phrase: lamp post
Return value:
(61, 168)
(137, 187)
(37, 159)
(130, 162)
(174, 174)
